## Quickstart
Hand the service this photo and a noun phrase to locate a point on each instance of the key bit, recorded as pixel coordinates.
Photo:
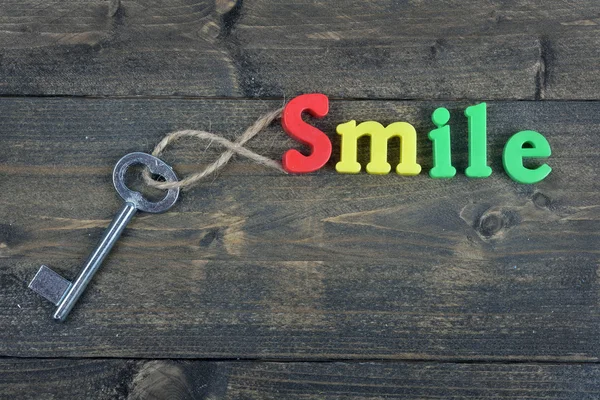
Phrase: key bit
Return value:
(50, 285)
(63, 293)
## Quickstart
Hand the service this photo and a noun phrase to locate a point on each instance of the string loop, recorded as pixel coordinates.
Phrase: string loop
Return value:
(236, 147)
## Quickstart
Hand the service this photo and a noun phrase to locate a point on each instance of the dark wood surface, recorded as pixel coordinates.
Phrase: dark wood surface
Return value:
(441, 49)
(176, 379)
(261, 285)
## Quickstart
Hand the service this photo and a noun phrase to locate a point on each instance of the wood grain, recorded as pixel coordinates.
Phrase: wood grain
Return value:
(177, 380)
(361, 287)
(510, 49)
(255, 264)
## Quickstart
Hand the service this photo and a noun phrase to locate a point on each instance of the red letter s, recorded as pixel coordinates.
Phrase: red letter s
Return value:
(318, 106)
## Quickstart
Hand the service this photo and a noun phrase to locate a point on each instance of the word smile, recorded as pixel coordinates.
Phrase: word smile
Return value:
(524, 144)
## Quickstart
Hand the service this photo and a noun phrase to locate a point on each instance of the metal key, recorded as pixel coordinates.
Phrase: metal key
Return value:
(65, 294)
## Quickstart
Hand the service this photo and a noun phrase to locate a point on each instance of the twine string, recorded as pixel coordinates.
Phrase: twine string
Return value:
(236, 147)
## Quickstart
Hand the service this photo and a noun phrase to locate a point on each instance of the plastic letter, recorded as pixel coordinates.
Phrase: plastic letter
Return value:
(477, 116)
(318, 106)
(380, 136)
(442, 155)
(514, 152)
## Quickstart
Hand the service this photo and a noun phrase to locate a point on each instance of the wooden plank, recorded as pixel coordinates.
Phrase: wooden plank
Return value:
(574, 69)
(524, 49)
(56, 378)
(257, 264)
(111, 47)
(41, 379)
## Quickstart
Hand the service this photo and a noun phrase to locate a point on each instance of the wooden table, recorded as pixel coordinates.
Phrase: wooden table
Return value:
(258, 285)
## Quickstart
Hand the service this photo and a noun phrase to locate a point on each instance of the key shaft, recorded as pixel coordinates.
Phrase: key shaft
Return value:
(93, 263)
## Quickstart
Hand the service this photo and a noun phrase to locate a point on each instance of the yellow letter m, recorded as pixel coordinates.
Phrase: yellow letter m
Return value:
(380, 136)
